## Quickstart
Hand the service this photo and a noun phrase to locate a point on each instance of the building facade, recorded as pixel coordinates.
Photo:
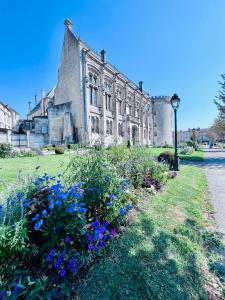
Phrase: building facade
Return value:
(94, 103)
(200, 133)
(8, 117)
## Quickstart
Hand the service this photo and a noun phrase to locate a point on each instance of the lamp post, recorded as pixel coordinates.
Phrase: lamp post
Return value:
(175, 102)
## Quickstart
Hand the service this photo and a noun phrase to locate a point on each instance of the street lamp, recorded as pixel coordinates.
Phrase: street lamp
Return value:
(175, 102)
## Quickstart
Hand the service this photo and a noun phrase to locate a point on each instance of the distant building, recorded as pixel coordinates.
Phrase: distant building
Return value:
(8, 117)
(185, 135)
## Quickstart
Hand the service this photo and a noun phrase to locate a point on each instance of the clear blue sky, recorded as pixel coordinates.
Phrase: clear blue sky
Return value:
(173, 45)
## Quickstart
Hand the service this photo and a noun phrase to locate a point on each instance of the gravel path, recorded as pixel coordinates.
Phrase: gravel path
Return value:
(214, 168)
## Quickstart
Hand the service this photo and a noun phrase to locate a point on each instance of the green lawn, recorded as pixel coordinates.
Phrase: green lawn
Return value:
(161, 255)
(195, 156)
(12, 168)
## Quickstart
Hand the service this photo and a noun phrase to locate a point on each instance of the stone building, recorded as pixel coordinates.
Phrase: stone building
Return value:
(94, 103)
(8, 117)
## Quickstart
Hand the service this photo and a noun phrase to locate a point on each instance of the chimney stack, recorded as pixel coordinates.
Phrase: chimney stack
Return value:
(29, 106)
(103, 56)
(141, 85)
(35, 100)
(69, 24)
(42, 94)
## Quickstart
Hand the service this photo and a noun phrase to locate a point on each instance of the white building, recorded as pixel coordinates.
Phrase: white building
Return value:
(8, 117)
(94, 103)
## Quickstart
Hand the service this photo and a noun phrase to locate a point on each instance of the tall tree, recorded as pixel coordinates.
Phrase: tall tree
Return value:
(220, 99)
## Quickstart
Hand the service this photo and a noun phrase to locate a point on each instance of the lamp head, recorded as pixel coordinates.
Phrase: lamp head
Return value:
(175, 101)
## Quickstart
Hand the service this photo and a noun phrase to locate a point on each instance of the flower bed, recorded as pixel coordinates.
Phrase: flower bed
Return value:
(55, 228)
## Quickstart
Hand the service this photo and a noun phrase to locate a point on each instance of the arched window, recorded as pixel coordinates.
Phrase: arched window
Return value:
(108, 96)
(92, 124)
(97, 125)
(111, 127)
(93, 89)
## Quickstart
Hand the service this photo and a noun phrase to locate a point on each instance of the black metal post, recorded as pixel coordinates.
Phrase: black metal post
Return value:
(176, 158)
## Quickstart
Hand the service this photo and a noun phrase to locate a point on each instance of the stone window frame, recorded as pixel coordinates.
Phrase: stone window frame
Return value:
(95, 124)
(120, 129)
(108, 96)
(93, 85)
(109, 127)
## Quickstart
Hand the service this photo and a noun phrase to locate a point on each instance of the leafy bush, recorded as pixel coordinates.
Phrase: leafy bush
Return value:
(186, 150)
(5, 150)
(193, 144)
(167, 158)
(59, 150)
(53, 229)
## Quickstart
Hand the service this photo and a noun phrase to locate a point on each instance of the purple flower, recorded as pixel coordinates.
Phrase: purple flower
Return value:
(72, 265)
(62, 273)
(113, 232)
(67, 239)
(89, 237)
(56, 264)
(52, 252)
(113, 197)
(90, 247)
(38, 224)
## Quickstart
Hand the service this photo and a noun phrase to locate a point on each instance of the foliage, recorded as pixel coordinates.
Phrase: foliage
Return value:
(5, 150)
(162, 254)
(185, 149)
(54, 227)
(220, 99)
(167, 158)
(59, 150)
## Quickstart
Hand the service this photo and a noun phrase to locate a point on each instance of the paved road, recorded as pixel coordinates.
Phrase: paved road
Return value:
(214, 168)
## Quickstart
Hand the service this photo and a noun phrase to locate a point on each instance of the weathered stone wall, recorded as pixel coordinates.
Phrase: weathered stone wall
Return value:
(60, 124)
(68, 88)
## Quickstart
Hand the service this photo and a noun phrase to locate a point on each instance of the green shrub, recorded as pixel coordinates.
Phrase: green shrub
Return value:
(167, 158)
(5, 150)
(59, 150)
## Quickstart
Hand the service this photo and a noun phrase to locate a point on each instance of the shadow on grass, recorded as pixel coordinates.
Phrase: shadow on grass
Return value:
(145, 264)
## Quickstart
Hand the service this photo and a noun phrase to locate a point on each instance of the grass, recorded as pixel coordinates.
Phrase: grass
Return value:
(161, 255)
(12, 168)
(195, 156)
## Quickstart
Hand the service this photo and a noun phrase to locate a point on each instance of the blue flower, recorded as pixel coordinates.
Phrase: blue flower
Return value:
(113, 197)
(109, 204)
(129, 206)
(38, 224)
(58, 203)
(56, 264)
(49, 258)
(44, 212)
(71, 208)
(72, 265)
(95, 224)
(62, 272)
(51, 205)
(35, 218)
(122, 211)
(82, 210)
(16, 291)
